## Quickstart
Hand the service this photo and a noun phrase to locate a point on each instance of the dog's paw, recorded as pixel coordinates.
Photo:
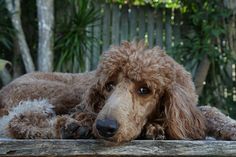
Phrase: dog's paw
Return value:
(154, 131)
(75, 131)
(69, 128)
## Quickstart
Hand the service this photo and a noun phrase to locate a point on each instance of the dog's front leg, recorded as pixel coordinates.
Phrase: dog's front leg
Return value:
(219, 126)
(31, 125)
(39, 126)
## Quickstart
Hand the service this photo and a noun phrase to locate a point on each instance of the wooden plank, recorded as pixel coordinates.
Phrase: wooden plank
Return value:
(106, 27)
(141, 23)
(150, 26)
(124, 23)
(159, 28)
(133, 23)
(168, 30)
(115, 24)
(96, 45)
(99, 148)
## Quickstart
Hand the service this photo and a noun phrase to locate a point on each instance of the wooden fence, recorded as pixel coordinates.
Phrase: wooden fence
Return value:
(119, 23)
(162, 27)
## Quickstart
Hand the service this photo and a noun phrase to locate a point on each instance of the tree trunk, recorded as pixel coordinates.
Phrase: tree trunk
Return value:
(45, 10)
(201, 74)
(13, 7)
(16, 62)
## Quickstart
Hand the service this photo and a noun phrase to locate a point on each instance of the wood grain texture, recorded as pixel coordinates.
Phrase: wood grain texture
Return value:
(150, 26)
(115, 24)
(106, 35)
(141, 22)
(124, 23)
(159, 28)
(133, 23)
(99, 148)
(168, 29)
(96, 45)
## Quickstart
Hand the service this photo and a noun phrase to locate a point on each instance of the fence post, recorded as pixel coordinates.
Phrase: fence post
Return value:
(106, 27)
(141, 23)
(168, 30)
(150, 26)
(96, 46)
(115, 24)
(124, 23)
(133, 23)
(159, 28)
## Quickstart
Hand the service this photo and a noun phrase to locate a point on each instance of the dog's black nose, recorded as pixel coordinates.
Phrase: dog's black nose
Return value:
(107, 127)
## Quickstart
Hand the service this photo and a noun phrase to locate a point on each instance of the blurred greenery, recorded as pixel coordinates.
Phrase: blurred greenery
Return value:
(74, 38)
(6, 31)
(154, 3)
(205, 34)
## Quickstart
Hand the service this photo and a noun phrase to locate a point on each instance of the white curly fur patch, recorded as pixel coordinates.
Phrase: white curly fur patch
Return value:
(41, 105)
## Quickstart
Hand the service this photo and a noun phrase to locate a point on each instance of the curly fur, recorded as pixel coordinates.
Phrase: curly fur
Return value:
(168, 111)
(41, 106)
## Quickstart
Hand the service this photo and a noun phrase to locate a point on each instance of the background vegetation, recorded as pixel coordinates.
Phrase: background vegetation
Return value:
(73, 37)
(204, 51)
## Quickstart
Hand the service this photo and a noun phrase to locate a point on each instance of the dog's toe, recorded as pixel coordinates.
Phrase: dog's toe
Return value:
(68, 131)
(155, 132)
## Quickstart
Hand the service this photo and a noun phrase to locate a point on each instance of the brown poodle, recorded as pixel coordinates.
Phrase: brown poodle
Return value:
(135, 92)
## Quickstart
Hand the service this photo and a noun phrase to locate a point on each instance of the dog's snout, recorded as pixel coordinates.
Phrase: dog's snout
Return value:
(107, 127)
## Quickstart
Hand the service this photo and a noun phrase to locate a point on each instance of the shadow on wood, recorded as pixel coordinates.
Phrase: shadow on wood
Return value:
(98, 148)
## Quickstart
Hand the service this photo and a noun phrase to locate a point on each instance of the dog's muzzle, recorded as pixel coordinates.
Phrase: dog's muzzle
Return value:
(106, 127)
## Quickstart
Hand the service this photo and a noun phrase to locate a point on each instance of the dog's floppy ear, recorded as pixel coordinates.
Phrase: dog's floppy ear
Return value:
(183, 120)
(93, 98)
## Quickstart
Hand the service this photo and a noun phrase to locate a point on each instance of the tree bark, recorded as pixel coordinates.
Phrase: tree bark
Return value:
(201, 74)
(45, 10)
(13, 7)
(16, 62)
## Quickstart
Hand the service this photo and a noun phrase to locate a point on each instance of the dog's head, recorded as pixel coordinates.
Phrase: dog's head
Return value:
(135, 85)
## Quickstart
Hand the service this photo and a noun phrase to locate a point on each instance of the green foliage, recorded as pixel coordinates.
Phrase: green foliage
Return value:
(73, 37)
(205, 34)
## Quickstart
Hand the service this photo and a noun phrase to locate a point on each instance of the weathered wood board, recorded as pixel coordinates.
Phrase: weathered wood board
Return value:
(99, 148)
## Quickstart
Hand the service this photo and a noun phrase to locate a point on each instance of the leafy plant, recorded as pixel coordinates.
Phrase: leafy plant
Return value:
(73, 37)
(205, 35)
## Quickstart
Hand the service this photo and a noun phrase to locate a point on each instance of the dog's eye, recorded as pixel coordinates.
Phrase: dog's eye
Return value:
(110, 86)
(144, 91)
